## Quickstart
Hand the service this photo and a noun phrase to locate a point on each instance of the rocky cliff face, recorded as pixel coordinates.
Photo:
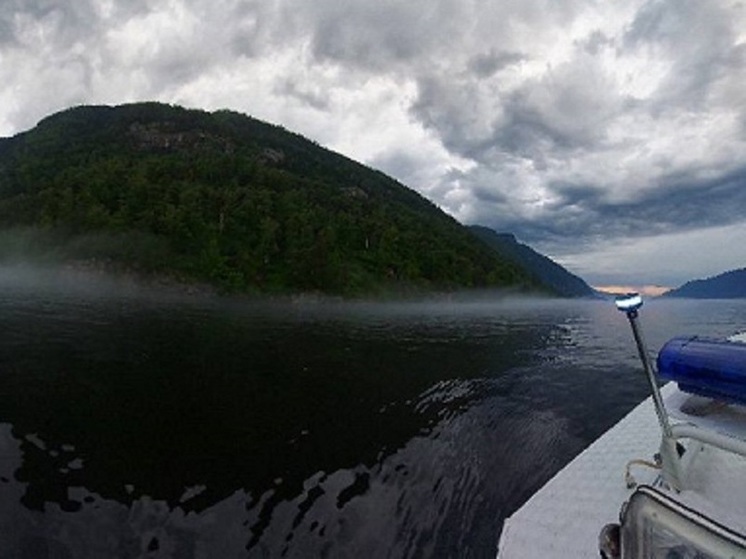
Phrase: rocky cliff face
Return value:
(165, 136)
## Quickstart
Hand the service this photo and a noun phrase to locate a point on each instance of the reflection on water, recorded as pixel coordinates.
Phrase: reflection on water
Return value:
(142, 423)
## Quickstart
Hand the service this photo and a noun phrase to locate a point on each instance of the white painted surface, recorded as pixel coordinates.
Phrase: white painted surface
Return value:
(563, 519)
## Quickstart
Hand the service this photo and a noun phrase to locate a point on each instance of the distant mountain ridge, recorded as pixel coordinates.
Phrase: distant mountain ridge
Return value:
(728, 285)
(543, 268)
(228, 199)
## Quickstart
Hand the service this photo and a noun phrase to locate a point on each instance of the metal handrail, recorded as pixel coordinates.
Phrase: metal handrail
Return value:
(719, 440)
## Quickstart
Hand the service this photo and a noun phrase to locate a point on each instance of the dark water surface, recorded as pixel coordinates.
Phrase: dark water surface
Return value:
(141, 423)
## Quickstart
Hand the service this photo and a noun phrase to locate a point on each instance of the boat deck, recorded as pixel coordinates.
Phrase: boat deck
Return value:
(564, 518)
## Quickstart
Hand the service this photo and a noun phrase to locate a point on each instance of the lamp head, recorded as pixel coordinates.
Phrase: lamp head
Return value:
(628, 303)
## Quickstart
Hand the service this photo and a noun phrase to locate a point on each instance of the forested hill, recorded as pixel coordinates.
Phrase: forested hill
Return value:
(546, 270)
(226, 198)
(728, 285)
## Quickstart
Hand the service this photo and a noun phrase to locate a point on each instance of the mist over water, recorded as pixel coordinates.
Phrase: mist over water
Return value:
(141, 422)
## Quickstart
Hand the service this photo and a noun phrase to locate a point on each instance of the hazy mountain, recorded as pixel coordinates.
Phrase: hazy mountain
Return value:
(541, 267)
(229, 199)
(728, 285)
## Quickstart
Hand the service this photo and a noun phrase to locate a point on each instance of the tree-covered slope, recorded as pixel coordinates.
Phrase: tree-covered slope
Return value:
(728, 285)
(543, 268)
(230, 199)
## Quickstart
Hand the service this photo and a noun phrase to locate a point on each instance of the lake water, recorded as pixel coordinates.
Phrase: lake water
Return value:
(139, 422)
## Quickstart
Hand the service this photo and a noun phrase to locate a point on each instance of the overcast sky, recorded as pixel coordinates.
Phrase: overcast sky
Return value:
(609, 135)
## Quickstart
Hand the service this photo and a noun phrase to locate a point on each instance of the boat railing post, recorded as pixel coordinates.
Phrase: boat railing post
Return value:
(630, 305)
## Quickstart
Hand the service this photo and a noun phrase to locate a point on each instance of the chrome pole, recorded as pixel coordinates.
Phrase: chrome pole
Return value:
(630, 304)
